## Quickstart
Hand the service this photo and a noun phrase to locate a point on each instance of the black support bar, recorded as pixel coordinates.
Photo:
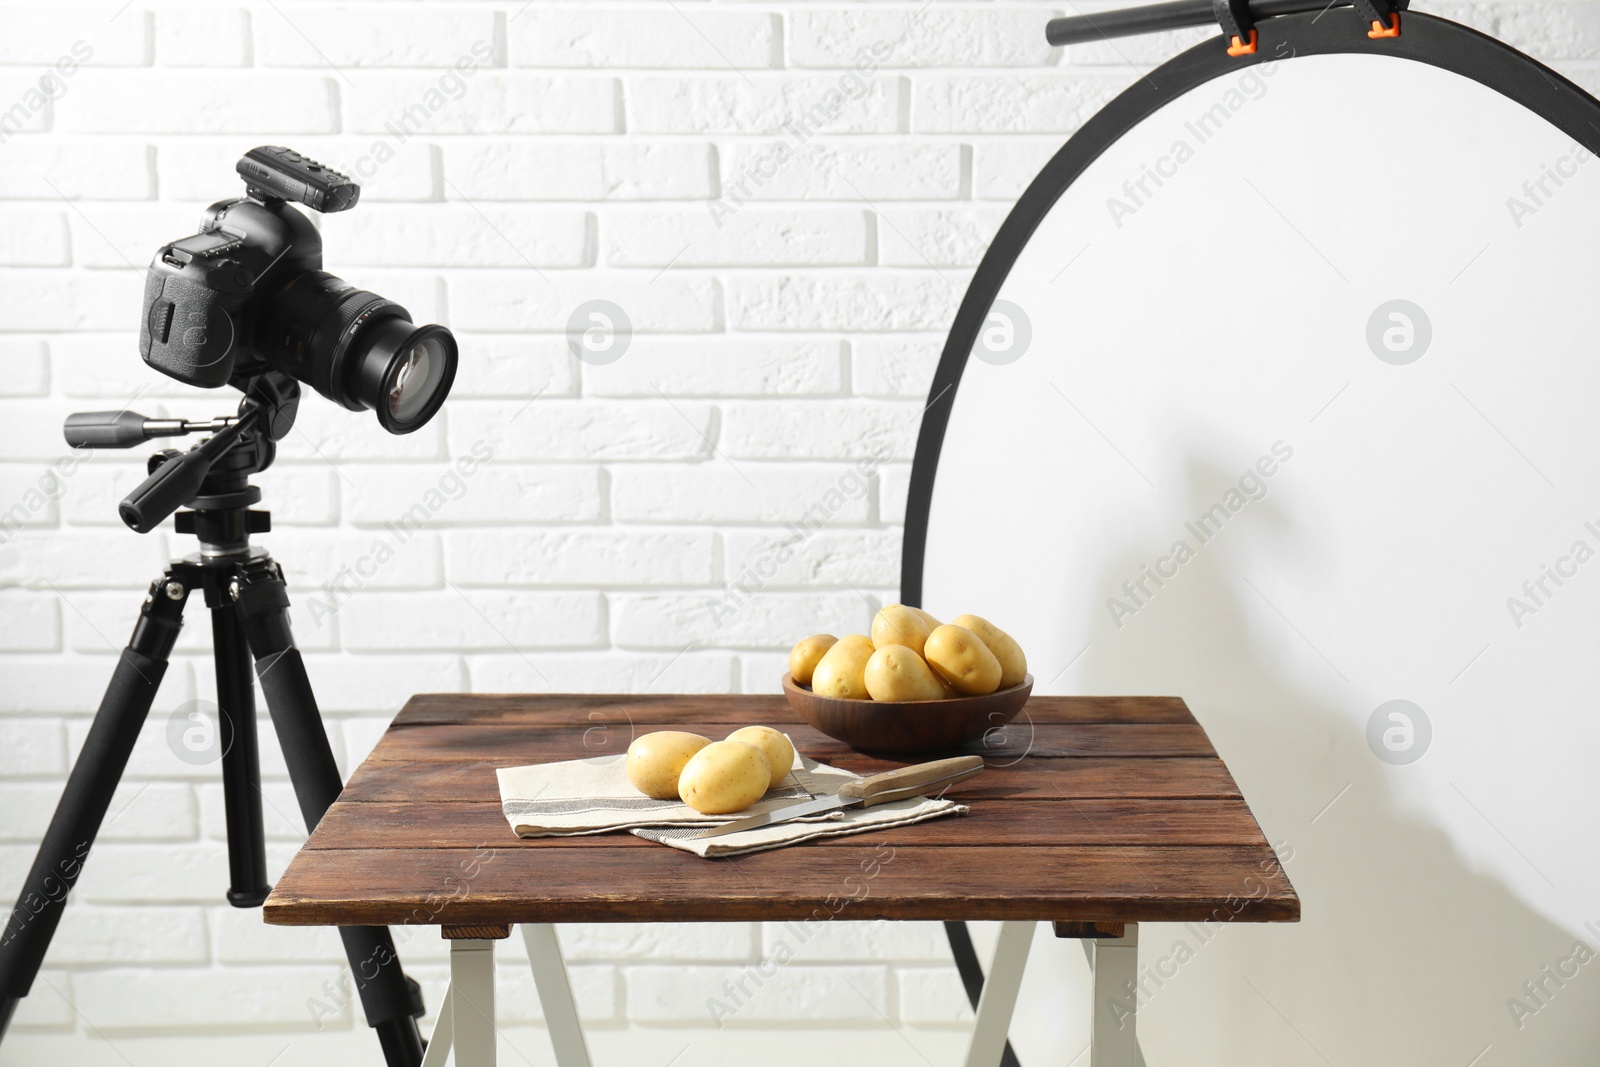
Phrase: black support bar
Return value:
(1173, 15)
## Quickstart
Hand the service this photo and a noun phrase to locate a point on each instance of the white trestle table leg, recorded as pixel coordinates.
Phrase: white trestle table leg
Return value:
(439, 1044)
(555, 995)
(471, 1001)
(1114, 1039)
(999, 997)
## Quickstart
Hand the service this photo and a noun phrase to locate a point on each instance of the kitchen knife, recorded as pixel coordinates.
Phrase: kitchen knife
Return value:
(877, 789)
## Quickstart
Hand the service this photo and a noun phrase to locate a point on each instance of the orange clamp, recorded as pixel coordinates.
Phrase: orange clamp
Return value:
(1380, 30)
(1246, 48)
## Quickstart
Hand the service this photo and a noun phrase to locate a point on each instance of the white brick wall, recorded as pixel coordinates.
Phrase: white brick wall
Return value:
(789, 238)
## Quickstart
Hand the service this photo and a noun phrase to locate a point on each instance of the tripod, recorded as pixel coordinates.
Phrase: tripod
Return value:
(244, 588)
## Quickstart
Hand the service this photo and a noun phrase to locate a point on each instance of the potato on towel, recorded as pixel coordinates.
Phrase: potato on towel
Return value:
(724, 777)
(655, 760)
(772, 743)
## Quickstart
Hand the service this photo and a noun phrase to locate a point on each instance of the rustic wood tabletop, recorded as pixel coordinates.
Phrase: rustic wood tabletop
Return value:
(1092, 809)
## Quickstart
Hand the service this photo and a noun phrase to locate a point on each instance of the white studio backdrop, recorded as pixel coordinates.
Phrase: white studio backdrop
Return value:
(1298, 432)
(786, 200)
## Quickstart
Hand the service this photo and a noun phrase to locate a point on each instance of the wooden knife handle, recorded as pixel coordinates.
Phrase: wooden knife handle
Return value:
(913, 781)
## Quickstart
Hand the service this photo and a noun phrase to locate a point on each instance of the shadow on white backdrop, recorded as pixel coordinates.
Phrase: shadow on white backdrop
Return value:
(1298, 431)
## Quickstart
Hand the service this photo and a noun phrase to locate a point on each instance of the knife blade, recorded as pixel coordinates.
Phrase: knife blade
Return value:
(897, 784)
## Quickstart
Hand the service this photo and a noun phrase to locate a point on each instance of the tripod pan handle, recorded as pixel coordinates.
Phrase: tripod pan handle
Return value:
(173, 485)
(105, 429)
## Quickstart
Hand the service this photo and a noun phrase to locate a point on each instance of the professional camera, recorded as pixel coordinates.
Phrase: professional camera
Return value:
(247, 296)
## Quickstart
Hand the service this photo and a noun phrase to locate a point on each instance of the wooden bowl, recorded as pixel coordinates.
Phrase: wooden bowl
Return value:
(895, 726)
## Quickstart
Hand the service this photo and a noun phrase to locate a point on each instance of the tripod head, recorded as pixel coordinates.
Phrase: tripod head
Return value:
(211, 477)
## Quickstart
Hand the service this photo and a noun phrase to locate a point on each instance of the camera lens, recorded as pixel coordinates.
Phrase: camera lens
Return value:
(360, 350)
(417, 379)
(404, 372)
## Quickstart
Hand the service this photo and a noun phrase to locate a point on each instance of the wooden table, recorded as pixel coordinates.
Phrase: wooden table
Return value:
(1096, 813)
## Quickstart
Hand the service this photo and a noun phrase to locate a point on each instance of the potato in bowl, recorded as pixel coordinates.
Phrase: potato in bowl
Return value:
(913, 685)
(910, 656)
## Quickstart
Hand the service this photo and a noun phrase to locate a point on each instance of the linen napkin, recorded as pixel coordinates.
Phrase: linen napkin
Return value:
(594, 796)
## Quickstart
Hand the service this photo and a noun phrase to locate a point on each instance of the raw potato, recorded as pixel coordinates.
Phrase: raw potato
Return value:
(656, 760)
(963, 660)
(933, 623)
(803, 658)
(841, 671)
(772, 743)
(896, 672)
(1013, 664)
(899, 625)
(724, 777)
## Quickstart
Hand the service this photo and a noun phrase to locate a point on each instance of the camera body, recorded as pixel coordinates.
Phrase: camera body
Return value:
(198, 324)
(247, 295)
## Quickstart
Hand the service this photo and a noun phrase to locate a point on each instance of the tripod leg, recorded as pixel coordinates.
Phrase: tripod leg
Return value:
(241, 758)
(392, 1002)
(93, 780)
